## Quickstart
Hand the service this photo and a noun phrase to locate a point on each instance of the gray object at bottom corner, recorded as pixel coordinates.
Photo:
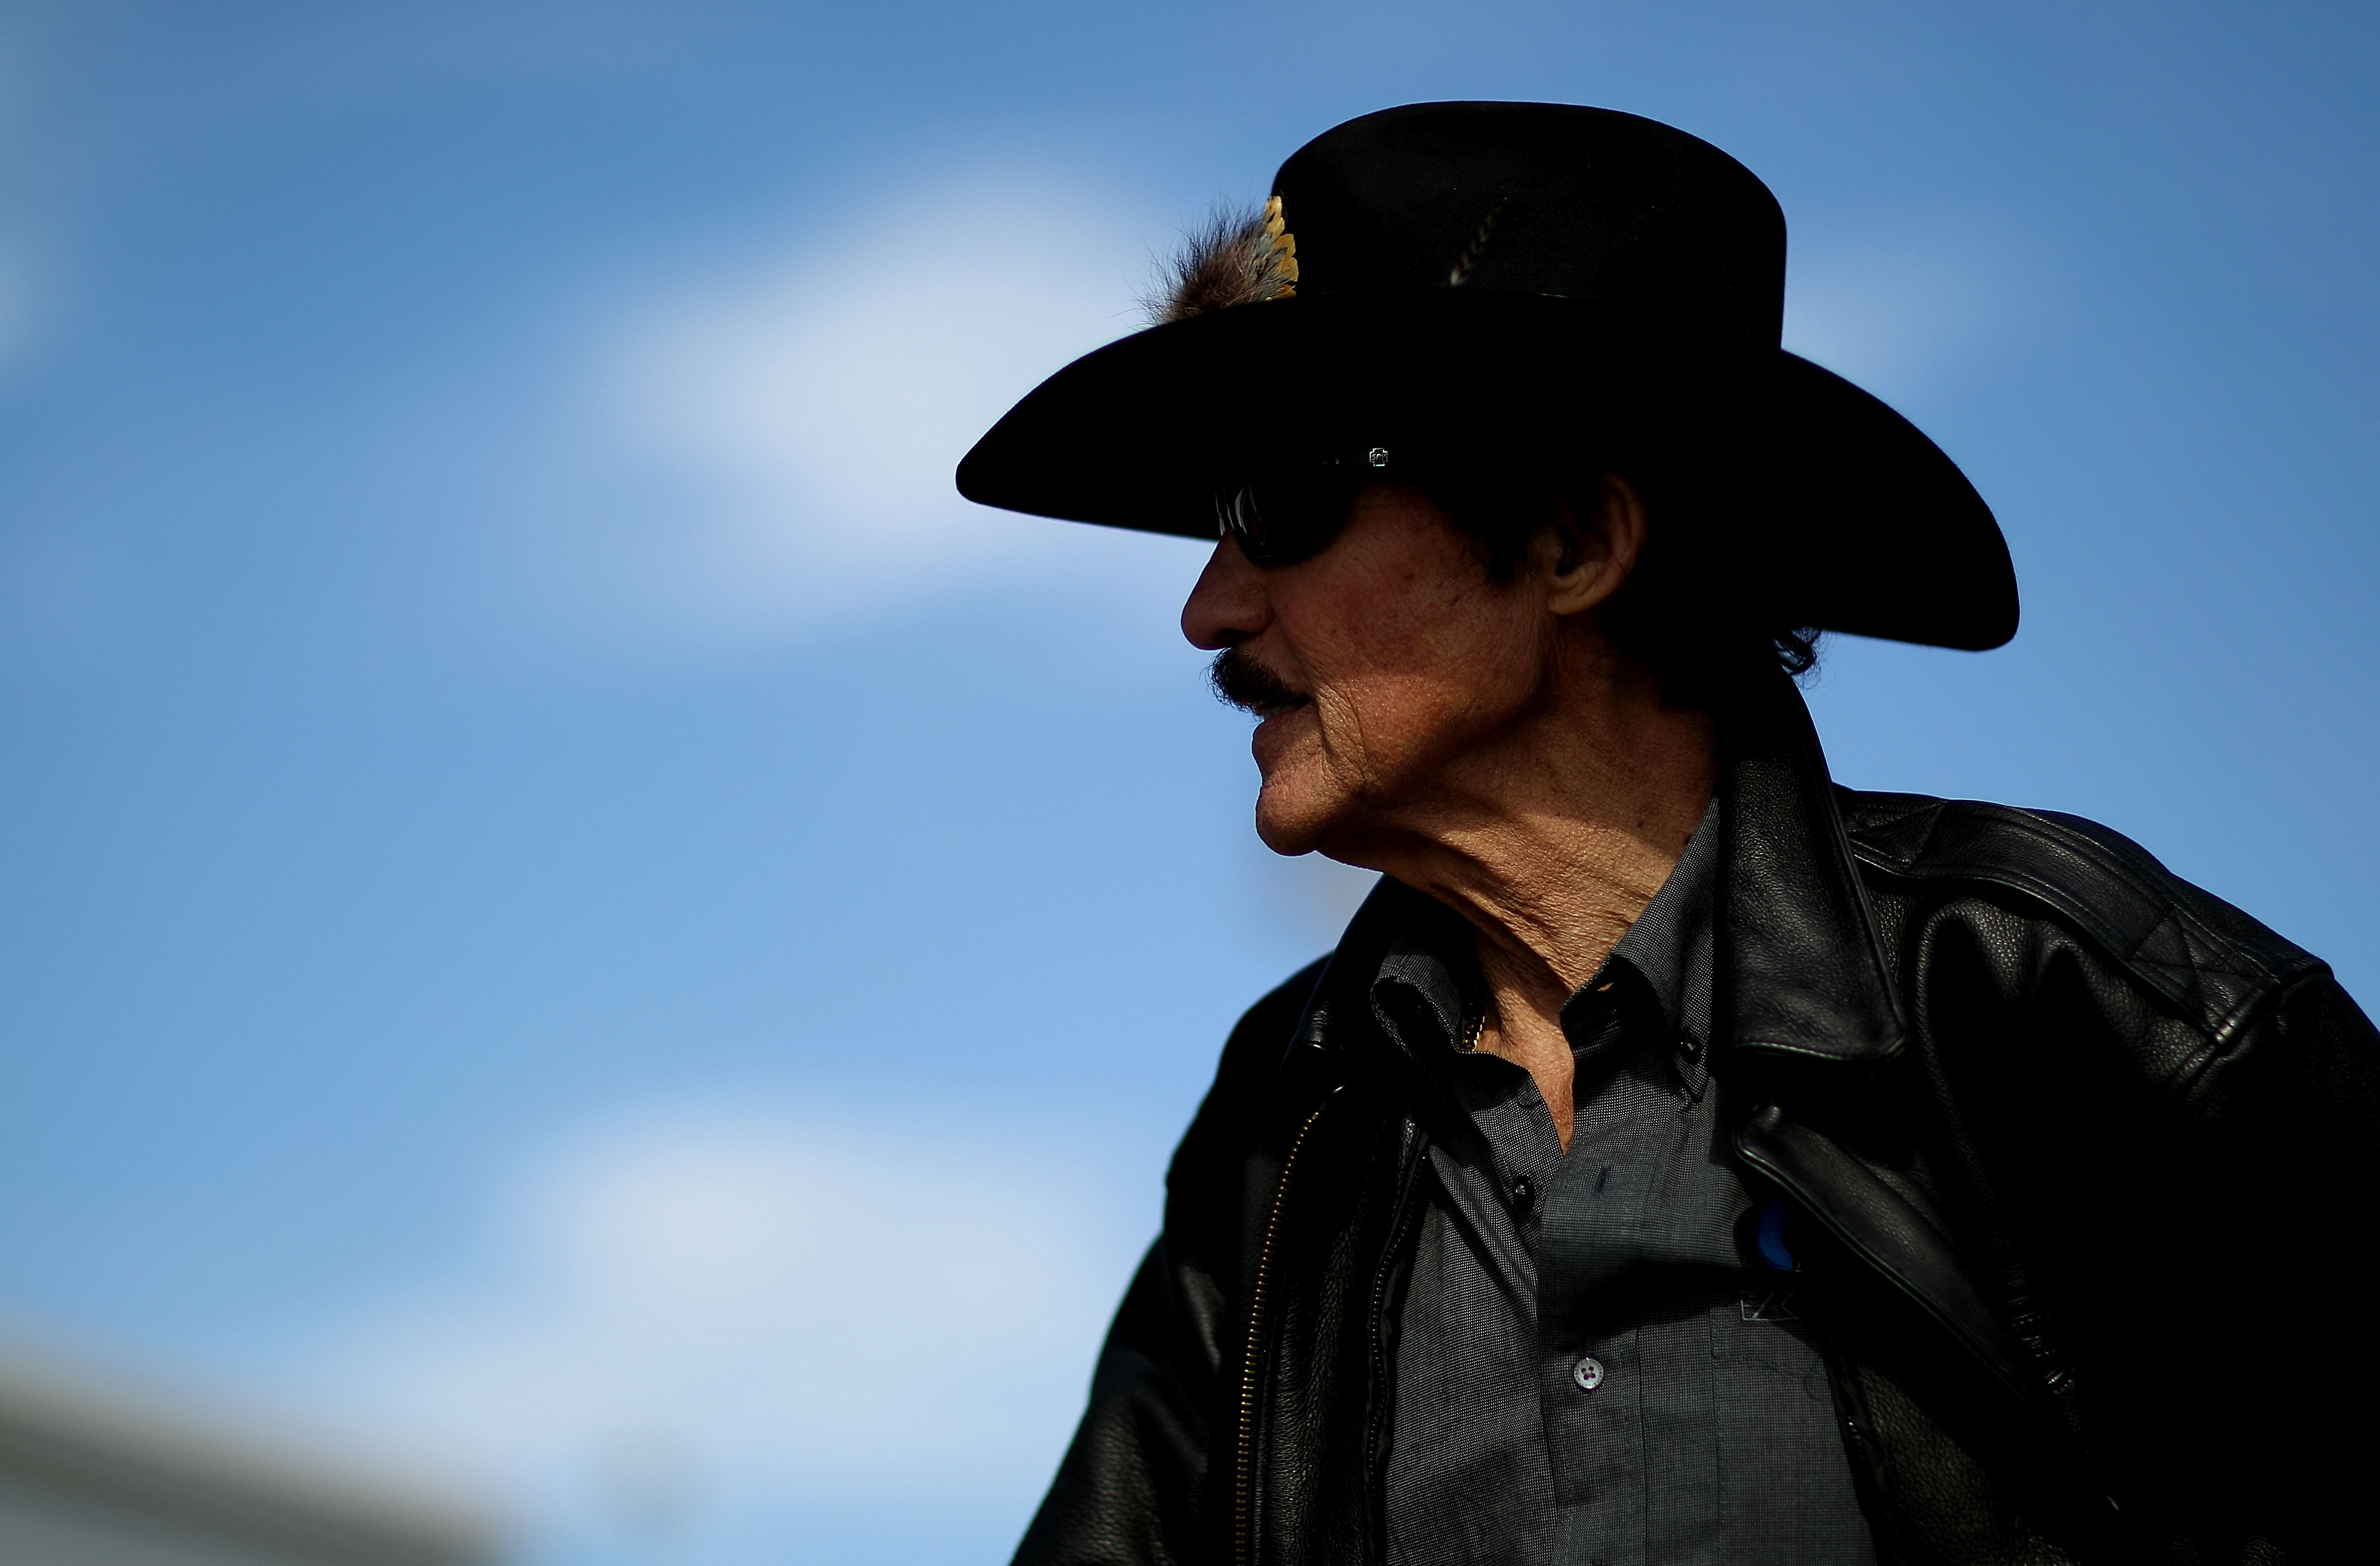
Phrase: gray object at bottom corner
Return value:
(94, 1473)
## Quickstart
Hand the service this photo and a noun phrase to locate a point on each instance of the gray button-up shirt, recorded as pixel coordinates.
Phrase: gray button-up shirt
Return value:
(1594, 1367)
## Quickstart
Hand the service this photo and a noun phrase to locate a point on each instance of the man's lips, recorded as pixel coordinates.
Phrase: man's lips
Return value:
(1248, 685)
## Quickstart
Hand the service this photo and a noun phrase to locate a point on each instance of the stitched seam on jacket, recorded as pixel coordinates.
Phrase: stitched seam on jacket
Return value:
(2186, 1080)
(2219, 1027)
(2041, 828)
(2264, 974)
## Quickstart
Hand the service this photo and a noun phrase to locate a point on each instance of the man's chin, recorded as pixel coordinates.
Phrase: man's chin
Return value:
(1288, 839)
(1291, 819)
(1301, 798)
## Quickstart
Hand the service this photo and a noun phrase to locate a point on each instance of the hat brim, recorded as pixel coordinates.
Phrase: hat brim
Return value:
(1856, 521)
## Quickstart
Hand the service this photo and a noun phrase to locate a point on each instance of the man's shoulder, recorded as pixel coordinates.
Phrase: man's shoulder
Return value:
(2200, 952)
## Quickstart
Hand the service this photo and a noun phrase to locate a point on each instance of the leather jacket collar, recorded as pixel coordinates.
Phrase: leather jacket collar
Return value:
(1801, 971)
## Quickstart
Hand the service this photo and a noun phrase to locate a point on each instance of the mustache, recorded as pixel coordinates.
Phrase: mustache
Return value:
(1246, 684)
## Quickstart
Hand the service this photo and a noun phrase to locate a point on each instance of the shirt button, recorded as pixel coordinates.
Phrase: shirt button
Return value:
(1587, 1372)
(1525, 1199)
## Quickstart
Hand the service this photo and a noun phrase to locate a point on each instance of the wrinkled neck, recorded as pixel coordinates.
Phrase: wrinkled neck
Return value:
(1551, 838)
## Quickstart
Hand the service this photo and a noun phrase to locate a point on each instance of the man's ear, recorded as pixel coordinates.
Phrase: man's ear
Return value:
(1586, 559)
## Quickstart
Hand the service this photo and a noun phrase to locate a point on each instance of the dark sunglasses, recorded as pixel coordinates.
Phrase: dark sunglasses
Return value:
(1292, 510)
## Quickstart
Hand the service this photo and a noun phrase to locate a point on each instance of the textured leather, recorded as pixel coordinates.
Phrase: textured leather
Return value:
(2076, 1157)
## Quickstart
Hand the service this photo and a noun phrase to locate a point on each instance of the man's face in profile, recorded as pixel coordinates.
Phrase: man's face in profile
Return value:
(1368, 665)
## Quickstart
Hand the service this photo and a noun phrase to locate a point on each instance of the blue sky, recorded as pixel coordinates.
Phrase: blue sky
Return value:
(553, 875)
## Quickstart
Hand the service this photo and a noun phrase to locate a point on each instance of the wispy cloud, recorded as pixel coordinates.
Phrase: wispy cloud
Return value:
(772, 446)
(1896, 312)
(726, 1306)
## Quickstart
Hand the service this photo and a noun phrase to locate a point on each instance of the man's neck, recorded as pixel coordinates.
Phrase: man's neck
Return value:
(1550, 843)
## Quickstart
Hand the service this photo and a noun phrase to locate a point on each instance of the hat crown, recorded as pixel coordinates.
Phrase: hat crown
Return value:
(1657, 230)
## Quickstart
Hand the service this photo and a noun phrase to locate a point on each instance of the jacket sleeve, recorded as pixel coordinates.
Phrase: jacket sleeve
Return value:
(2177, 1140)
(2271, 1282)
(1128, 1491)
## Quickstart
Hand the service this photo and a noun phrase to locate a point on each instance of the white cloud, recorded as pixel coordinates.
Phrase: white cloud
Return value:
(770, 1308)
(1894, 314)
(773, 446)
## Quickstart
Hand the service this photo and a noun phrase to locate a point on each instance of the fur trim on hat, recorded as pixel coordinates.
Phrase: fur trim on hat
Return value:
(1230, 260)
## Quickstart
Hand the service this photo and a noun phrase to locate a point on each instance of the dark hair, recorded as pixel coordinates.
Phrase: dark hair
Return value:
(1688, 609)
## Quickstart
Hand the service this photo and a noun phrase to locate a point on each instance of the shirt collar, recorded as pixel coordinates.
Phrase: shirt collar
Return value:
(1427, 987)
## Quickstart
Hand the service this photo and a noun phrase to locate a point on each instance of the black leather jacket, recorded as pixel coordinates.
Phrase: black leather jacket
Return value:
(2076, 1155)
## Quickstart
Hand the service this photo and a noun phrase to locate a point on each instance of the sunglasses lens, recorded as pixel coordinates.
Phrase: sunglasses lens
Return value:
(1279, 521)
(1239, 515)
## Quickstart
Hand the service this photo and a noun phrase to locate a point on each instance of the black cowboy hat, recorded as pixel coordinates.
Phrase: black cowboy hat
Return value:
(1512, 279)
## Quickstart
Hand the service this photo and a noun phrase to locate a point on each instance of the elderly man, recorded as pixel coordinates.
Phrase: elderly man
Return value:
(1680, 1160)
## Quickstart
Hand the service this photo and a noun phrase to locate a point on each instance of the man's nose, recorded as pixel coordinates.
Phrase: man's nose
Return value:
(1229, 605)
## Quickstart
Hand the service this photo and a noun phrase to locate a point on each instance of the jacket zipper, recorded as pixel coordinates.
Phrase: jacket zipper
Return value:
(1251, 1367)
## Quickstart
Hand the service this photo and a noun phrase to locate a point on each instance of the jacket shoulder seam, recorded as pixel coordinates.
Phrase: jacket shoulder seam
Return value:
(2151, 888)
